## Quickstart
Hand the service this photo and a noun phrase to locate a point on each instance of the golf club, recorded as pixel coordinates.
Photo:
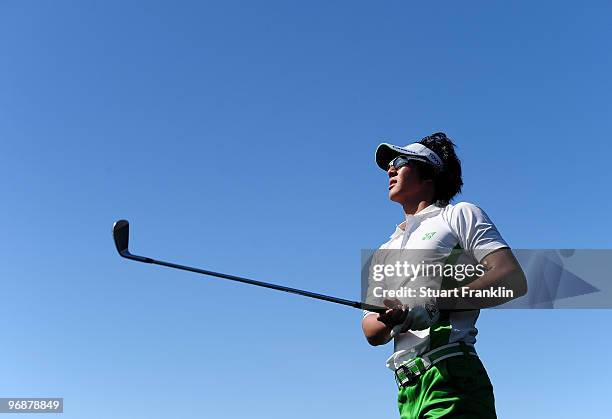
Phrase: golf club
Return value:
(121, 236)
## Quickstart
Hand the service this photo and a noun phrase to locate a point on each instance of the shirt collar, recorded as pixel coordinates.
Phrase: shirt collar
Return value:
(421, 215)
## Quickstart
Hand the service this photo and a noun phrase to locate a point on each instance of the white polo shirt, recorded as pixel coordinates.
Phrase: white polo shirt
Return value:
(439, 231)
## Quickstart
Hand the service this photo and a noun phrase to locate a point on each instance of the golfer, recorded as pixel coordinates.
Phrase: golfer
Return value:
(435, 362)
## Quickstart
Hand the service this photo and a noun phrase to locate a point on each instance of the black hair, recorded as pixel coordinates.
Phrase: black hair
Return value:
(447, 180)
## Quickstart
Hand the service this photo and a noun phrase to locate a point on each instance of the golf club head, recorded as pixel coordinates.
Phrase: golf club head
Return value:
(121, 236)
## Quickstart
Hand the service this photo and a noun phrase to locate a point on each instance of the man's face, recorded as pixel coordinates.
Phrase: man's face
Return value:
(405, 184)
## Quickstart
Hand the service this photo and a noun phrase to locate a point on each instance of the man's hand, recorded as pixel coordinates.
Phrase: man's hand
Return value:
(377, 328)
(396, 314)
(398, 319)
(422, 316)
(401, 319)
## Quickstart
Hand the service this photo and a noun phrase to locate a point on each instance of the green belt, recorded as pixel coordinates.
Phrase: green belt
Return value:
(409, 371)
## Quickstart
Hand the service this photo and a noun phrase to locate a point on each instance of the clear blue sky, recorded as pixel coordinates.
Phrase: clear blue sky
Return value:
(239, 136)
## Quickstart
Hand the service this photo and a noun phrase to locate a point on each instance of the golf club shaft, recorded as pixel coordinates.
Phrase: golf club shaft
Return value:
(324, 297)
(121, 238)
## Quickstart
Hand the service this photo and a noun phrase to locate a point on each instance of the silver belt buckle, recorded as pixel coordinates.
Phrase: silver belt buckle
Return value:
(405, 375)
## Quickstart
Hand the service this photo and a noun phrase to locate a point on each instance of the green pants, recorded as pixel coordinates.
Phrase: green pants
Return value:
(456, 387)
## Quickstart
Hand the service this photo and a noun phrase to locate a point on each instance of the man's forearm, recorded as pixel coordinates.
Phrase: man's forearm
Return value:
(502, 272)
(376, 332)
(511, 280)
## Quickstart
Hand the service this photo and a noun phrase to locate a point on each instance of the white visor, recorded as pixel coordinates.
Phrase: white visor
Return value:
(385, 153)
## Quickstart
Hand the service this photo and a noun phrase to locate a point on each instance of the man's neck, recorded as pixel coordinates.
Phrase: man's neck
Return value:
(411, 208)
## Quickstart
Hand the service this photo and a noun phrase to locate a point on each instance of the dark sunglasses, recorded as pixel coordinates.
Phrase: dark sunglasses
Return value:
(401, 161)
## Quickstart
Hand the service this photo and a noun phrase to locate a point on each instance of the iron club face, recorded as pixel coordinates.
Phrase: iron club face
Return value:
(121, 236)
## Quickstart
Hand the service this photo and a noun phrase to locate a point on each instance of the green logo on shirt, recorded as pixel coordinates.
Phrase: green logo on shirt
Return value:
(428, 236)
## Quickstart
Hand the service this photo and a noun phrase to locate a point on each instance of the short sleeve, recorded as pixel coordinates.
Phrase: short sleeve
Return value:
(476, 232)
